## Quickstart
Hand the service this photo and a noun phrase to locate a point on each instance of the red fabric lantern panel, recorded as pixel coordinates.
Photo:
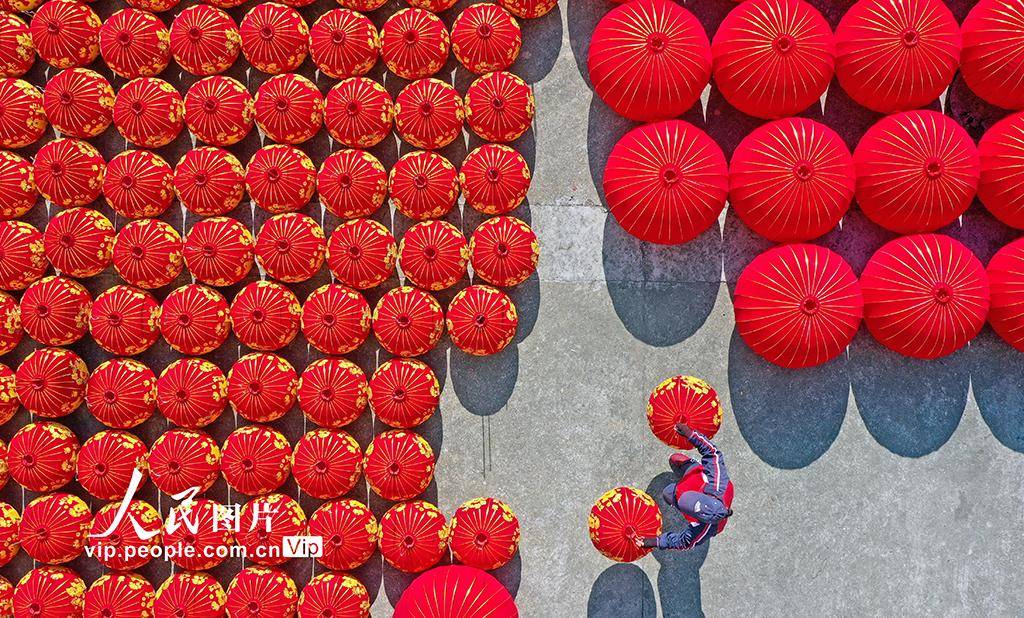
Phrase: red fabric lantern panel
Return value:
(69, 172)
(334, 594)
(58, 589)
(399, 465)
(255, 459)
(485, 37)
(484, 534)
(51, 382)
(481, 320)
(414, 43)
(190, 594)
(155, 6)
(894, 56)
(209, 181)
(187, 545)
(79, 242)
(358, 112)
(504, 251)
(265, 316)
(798, 305)
(23, 119)
(121, 393)
(683, 399)
(344, 43)
(423, 185)
(138, 184)
(528, 9)
(115, 541)
(54, 528)
(1006, 283)
(925, 296)
(191, 392)
(408, 321)
(433, 255)
(149, 112)
(352, 183)
(289, 108)
(1002, 158)
(413, 536)
(219, 251)
(275, 38)
(17, 53)
(773, 58)
(263, 591)
(219, 110)
(263, 525)
(280, 178)
(993, 51)
(205, 40)
(18, 192)
(119, 594)
(327, 464)
(404, 392)
(428, 114)
(9, 546)
(194, 319)
(649, 60)
(666, 182)
(41, 456)
(291, 247)
(7, 596)
(125, 320)
(916, 171)
(23, 258)
(333, 392)
(66, 33)
(181, 459)
(147, 253)
(55, 310)
(135, 43)
(618, 517)
(499, 106)
(349, 531)
(335, 319)
(79, 102)
(494, 179)
(456, 590)
(10, 327)
(791, 180)
(262, 387)
(106, 462)
(361, 253)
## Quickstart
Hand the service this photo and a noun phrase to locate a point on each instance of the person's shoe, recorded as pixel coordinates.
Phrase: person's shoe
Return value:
(680, 463)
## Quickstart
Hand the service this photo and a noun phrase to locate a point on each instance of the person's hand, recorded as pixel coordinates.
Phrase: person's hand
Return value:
(683, 429)
(637, 540)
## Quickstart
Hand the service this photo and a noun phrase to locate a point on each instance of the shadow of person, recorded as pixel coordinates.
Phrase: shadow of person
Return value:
(583, 16)
(910, 406)
(622, 591)
(484, 384)
(510, 575)
(679, 576)
(789, 418)
(997, 379)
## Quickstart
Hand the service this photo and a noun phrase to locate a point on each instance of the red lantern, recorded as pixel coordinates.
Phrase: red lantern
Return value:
(275, 38)
(399, 465)
(219, 251)
(494, 179)
(361, 253)
(291, 247)
(262, 387)
(349, 532)
(190, 594)
(504, 251)
(149, 112)
(147, 253)
(333, 392)
(8, 394)
(55, 310)
(916, 171)
(485, 38)
(191, 392)
(51, 382)
(666, 182)
(414, 43)
(925, 295)
(135, 43)
(529, 9)
(79, 102)
(155, 6)
(66, 33)
(7, 596)
(1002, 157)
(23, 120)
(280, 178)
(433, 255)
(484, 533)
(404, 392)
(16, 50)
(264, 523)
(205, 40)
(289, 108)
(352, 183)
(106, 462)
(428, 114)
(69, 172)
(334, 594)
(125, 320)
(262, 591)
(649, 60)
(327, 464)
(57, 589)
(54, 528)
(423, 185)
(456, 590)
(499, 106)
(219, 110)
(194, 319)
(119, 594)
(344, 43)
(358, 112)
(481, 320)
(42, 456)
(893, 56)
(791, 180)
(265, 316)
(335, 319)
(121, 393)
(1006, 283)
(138, 184)
(10, 329)
(181, 459)
(255, 460)
(79, 242)
(407, 321)
(618, 517)
(992, 58)
(773, 58)
(192, 533)
(683, 399)
(413, 536)
(18, 193)
(209, 181)
(116, 542)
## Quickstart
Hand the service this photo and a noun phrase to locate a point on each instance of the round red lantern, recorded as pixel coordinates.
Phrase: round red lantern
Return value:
(1006, 284)
(51, 382)
(456, 590)
(334, 594)
(433, 255)
(135, 43)
(262, 387)
(683, 399)
(10, 328)
(192, 532)
(485, 38)
(147, 253)
(205, 40)
(58, 589)
(66, 33)
(413, 536)
(618, 517)
(125, 320)
(408, 321)
(79, 242)
(352, 183)
(344, 43)
(404, 392)
(106, 462)
(119, 594)
(79, 102)
(358, 112)
(149, 112)
(529, 9)
(54, 528)
(499, 106)
(69, 172)
(275, 38)
(209, 181)
(335, 319)
(262, 591)
(55, 310)
(182, 459)
(1002, 156)
(327, 464)
(121, 393)
(481, 320)
(138, 184)
(666, 182)
(399, 465)
(219, 251)
(7, 596)
(17, 53)
(649, 60)
(423, 185)
(280, 178)
(504, 251)
(290, 247)
(428, 114)
(494, 179)
(22, 117)
(414, 43)
(219, 110)
(190, 594)
(41, 456)
(18, 193)
(289, 108)
(264, 523)
(8, 394)
(265, 316)
(333, 392)
(255, 459)
(361, 253)
(22, 255)
(194, 319)
(925, 295)
(156, 6)
(993, 51)
(191, 392)
(116, 542)
(349, 531)
(484, 533)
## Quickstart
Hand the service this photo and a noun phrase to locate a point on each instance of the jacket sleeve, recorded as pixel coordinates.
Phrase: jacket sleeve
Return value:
(713, 464)
(688, 538)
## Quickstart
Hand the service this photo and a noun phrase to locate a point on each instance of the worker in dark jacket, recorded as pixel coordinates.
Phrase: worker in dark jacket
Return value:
(706, 506)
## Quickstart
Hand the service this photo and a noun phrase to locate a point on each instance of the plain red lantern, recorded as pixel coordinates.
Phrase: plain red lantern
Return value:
(1001, 151)
(456, 590)
(993, 51)
(1006, 283)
